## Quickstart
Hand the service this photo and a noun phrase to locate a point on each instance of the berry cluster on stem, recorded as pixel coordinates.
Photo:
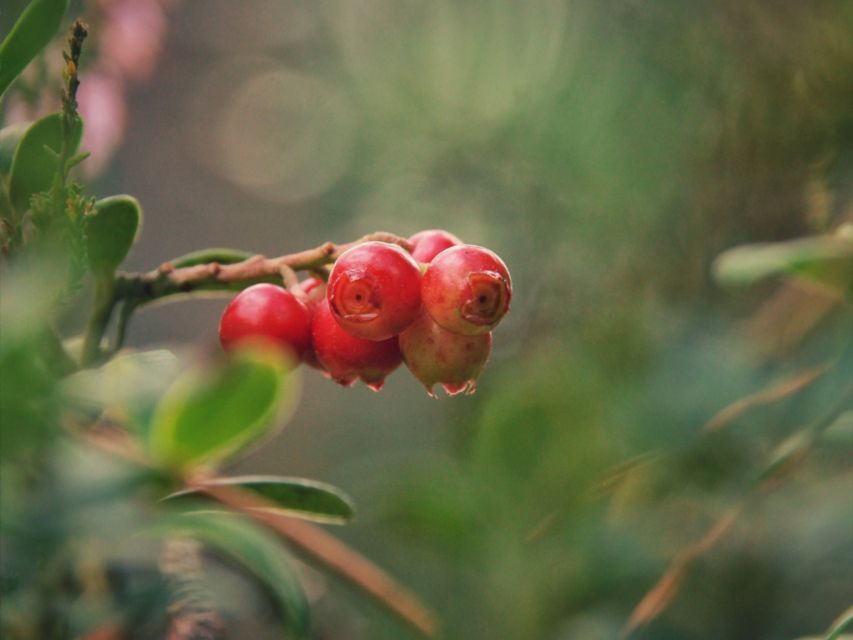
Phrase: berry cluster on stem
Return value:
(429, 301)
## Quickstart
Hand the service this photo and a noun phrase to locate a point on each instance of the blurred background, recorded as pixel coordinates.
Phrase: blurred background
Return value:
(608, 150)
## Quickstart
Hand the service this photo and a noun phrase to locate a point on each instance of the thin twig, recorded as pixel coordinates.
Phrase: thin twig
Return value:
(766, 396)
(102, 310)
(168, 280)
(660, 596)
(76, 35)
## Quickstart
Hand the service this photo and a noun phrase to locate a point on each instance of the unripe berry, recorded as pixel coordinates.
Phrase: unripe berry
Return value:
(438, 356)
(428, 244)
(347, 358)
(268, 312)
(467, 289)
(374, 290)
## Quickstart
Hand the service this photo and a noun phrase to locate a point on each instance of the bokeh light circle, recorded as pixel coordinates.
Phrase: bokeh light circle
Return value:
(284, 136)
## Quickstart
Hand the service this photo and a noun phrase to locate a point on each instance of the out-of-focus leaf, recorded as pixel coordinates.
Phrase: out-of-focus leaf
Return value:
(298, 497)
(33, 30)
(33, 165)
(787, 454)
(131, 383)
(253, 548)
(28, 399)
(28, 402)
(840, 432)
(207, 415)
(29, 299)
(827, 260)
(769, 395)
(9, 138)
(661, 595)
(110, 232)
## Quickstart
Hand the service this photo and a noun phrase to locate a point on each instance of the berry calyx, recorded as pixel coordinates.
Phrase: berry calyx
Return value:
(267, 312)
(428, 244)
(347, 358)
(435, 355)
(374, 290)
(467, 289)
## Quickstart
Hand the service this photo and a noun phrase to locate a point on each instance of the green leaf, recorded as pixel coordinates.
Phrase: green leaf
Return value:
(253, 548)
(35, 162)
(207, 415)
(30, 34)
(203, 256)
(9, 138)
(827, 260)
(110, 232)
(298, 497)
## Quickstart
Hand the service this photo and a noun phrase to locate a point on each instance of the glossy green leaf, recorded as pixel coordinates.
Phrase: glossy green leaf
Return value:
(35, 162)
(827, 260)
(9, 138)
(207, 415)
(298, 497)
(255, 550)
(30, 34)
(110, 232)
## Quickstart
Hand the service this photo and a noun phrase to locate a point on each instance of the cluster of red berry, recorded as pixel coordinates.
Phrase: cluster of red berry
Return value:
(381, 307)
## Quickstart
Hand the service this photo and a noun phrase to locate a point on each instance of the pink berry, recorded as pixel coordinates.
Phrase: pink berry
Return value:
(428, 244)
(467, 289)
(347, 358)
(437, 356)
(268, 312)
(375, 290)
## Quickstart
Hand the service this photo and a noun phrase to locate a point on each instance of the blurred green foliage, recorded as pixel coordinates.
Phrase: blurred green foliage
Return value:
(610, 151)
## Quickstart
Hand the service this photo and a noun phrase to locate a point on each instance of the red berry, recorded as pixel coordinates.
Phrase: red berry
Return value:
(269, 312)
(438, 356)
(347, 358)
(375, 290)
(467, 289)
(313, 293)
(428, 244)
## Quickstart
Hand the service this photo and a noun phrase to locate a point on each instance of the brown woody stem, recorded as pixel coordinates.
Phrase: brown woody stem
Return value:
(169, 280)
